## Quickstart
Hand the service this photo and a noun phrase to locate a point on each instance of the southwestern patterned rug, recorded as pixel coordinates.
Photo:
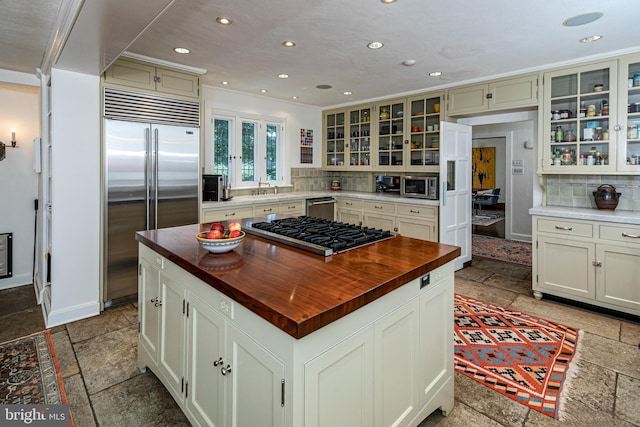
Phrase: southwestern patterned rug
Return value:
(29, 372)
(526, 358)
(501, 249)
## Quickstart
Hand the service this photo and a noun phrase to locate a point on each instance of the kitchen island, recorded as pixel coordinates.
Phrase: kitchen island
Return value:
(271, 335)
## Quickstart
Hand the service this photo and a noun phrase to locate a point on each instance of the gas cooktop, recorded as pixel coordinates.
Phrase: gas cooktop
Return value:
(320, 236)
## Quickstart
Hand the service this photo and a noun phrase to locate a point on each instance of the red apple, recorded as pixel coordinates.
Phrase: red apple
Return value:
(214, 234)
(217, 226)
(235, 233)
(235, 225)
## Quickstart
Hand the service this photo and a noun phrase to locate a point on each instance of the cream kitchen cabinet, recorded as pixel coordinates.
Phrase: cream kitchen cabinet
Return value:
(390, 132)
(148, 305)
(266, 209)
(349, 210)
(628, 137)
(377, 214)
(517, 92)
(227, 213)
(417, 221)
(149, 77)
(594, 262)
(389, 372)
(216, 373)
(293, 207)
(423, 128)
(580, 117)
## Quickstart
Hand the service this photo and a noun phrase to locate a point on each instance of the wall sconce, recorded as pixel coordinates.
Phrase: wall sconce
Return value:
(3, 146)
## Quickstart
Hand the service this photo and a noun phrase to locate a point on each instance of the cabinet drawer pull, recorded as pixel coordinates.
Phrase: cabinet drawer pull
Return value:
(377, 207)
(633, 236)
(230, 214)
(415, 212)
(267, 210)
(348, 203)
(559, 227)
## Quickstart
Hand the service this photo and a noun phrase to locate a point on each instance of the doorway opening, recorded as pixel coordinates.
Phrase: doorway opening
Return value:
(489, 186)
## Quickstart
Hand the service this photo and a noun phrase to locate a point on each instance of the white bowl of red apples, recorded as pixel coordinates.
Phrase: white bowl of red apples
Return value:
(218, 240)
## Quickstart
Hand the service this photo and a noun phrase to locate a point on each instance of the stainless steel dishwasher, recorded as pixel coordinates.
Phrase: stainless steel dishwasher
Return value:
(321, 207)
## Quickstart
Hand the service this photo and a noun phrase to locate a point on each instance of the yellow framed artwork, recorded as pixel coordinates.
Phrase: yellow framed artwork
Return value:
(483, 168)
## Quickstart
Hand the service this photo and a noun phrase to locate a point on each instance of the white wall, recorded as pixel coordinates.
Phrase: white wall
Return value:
(75, 265)
(297, 117)
(19, 109)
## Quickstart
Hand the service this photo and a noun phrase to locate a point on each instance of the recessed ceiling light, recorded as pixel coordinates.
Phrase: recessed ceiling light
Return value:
(294, 97)
(590, 39)
(324, 87)
(263, 91)
(181, 50)
(409, 62)
(375, 45)
(346, 92)
(583, 19)
(388, 1)
(224, 82)
(435, 73)
(288, 43)
(283, 76)
(224, 21)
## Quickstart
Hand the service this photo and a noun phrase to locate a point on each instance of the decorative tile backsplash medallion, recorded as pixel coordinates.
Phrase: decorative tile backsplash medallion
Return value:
(577, 190)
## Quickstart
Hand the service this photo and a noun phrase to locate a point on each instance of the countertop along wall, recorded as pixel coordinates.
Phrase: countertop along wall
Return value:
(19, 109)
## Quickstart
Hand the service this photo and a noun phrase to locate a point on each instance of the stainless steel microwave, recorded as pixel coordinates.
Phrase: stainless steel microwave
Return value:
(422, 187)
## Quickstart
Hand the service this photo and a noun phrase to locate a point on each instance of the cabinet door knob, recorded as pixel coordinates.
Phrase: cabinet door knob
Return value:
(158, 303)
(225, 371)
(218, 362)
(489, 95)
(154, 299)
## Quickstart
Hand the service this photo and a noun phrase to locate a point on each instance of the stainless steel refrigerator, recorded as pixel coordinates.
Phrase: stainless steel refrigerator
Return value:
(151, 176)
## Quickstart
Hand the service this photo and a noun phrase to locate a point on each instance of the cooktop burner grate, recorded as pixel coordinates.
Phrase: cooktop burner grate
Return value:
(321, 236)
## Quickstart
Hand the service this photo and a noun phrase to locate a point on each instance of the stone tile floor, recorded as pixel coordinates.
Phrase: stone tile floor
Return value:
(97, 357)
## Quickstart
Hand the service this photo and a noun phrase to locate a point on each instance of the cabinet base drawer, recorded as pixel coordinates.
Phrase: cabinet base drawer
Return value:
(566, 227)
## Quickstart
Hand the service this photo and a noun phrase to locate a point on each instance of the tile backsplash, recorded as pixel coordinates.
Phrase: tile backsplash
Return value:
(577, 190)
(313, 179)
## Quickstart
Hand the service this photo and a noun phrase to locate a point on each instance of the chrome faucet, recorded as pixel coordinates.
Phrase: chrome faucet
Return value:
(260, 184)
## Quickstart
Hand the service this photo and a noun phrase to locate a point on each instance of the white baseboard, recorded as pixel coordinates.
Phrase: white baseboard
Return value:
(69, 314)
(16, 280)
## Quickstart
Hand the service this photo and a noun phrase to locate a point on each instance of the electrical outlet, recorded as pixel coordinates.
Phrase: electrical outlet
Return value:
(226, 307)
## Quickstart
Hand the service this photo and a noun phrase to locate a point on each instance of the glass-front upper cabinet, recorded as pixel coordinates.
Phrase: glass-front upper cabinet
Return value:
(629, 136)
(424, 133)
(335, 155)
(359, 146)
(391, 140)
(580, 118)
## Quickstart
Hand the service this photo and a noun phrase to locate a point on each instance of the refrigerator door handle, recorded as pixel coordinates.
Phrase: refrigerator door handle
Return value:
(155, 176)
(147, 142)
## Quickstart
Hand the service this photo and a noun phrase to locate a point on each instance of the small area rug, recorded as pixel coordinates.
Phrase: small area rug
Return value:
(526, 358)
(501, 249)
(486, 220)
(29, 372)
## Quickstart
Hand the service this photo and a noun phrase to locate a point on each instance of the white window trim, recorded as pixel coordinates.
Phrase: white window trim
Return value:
(237, 118)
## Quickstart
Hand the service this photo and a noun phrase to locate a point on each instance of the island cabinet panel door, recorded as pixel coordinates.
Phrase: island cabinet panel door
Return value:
(436, 343)
(397, 347)
(205, 348)
(339, 384)
(254, 383)
(148, 297)
(172, 336)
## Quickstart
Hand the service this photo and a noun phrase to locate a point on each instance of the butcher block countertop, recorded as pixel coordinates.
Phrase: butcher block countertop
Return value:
(297, 291)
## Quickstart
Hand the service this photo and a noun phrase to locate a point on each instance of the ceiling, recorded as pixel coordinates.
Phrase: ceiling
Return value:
(466, 40)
